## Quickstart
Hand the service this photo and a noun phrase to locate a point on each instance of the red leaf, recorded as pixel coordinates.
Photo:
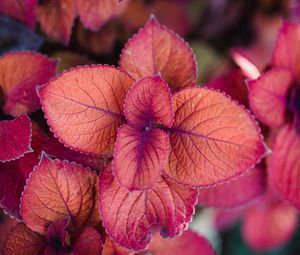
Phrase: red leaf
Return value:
(285, 164)
(129, 216)
(112, 248)
(15, 136)
(88, 243)
(23, 241)
(212, 139)
(139, 157)
(84, 107)
(269, 226)
(268, 96)
(57, 190)
(188, 243)
(22, 10)
(156, 49)
(57, 231)
(95, 13)
(149, 102)
(287, 52)
(20, 73)
(56, 18)
(235, 192)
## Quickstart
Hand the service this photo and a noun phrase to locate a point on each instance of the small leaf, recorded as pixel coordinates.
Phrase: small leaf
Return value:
(149, 102)
(155, 49)
(20, 73)
(212, 139)
(84, 107)
(139, 156)
(188, 243)
(285, 164)
(22, 10)
(88, 243)
(285, 53)
(57, 190)
(235, 192)
(268, 96)
(23, 241)
(56, 18)
(129, 216)
(57, 231)
(112, 248)
(15, 136)
(269, 226)
(94, 14)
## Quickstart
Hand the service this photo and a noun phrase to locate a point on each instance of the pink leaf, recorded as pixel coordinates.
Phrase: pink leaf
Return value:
(139, 156)
(213, 139)
(84, 107)
(20, 73)
(285, 164)
(188, 243)
(56, 18)
(129, 216)
(56, 190)
(268, 96)
(23, 241)
(95, 13)
(149, 102)
(287, 49)
(155, 49)
(235, 192)
(22, 10)
(269, 226)
(15, 136)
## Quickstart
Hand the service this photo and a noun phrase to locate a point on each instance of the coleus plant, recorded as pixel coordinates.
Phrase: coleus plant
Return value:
(165, 136)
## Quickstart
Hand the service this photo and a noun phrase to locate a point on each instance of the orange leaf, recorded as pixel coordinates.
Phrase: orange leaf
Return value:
(59, 189)
(212, 139)
(84, 107)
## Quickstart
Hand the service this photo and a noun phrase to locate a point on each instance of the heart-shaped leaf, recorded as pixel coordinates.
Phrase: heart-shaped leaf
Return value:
(212, 139)
(15, 136)
(156, 49)
(22, 10)
(94, 14)
(56, 18)
(23, 241)
(129, 216)
(20, 73)
(268, 96)
(84, 107)
(235, 192)
(139, 156)
(56, 190)
(149, 101)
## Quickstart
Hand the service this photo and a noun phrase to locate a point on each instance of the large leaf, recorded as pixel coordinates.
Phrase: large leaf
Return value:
(129, 216)
(56, 18)
(95, 13)
(56, 190)
(212, 139)
(84, 107)
(155, 49)
(20, 73)
(23, 241)
(268, 96)
(15, 137)
(139, 156)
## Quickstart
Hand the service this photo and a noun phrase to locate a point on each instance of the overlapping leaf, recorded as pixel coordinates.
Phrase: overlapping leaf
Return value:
(129, 216)
(212, 139)
(15, 136)
(268, 96)
(155, 49)
(57, 190)
(235, 192)
(84, 107)
(139, 156)
(20, 73)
